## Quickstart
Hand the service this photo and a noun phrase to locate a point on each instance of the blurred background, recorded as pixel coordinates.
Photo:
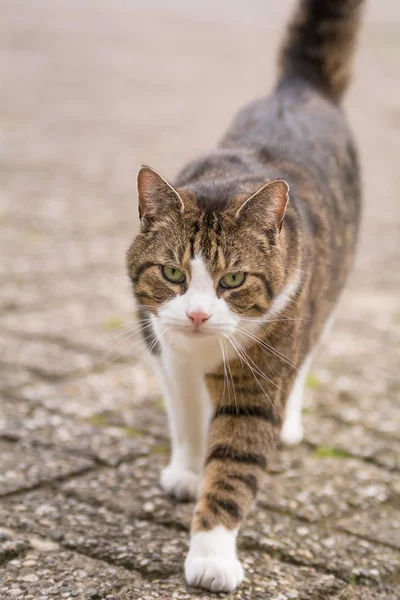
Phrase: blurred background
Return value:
(90, 90)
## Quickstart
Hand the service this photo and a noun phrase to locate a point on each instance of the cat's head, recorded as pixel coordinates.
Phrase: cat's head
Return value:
(208, 259)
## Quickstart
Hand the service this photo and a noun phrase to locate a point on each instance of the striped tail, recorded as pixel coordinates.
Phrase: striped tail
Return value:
(319, 44)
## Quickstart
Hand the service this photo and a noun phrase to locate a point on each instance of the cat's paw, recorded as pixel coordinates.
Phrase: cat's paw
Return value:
(211, 562)
(179, 482)
(292, 432)
(213, 573)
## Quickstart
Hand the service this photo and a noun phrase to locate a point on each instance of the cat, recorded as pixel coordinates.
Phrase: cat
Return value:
(236, 270)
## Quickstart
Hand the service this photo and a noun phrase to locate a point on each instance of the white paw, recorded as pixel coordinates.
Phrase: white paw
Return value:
(179, 482)
(292, 432)
(213, 573)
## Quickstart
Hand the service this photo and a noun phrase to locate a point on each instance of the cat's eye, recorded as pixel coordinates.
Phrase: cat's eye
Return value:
(232, 280)
(172, 274)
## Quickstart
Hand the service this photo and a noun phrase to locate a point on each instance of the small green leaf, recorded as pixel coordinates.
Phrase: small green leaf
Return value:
(97, 420)
(113, 323)
(133, 432)
(327, 451)
(159, 403)
(313, 382)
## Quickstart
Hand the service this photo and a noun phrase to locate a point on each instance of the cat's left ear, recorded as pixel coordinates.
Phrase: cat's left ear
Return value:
(268, 205)
(156, 195)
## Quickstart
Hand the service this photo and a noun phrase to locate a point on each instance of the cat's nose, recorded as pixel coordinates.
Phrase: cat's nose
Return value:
(198, 316)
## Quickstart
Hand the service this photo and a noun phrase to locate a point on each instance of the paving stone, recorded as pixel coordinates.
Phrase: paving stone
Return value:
(92, 438)
(24, 466)
(48, 359)
(114, 393)
(378, 412)
(77, 576)
(64, 574)
(316, 485)
(14, 376)
(385, 592)
(321, 546)
(265, 579)
(380, 524)
(99, 288)
(96, 531)
(354, 439)
(133, 488)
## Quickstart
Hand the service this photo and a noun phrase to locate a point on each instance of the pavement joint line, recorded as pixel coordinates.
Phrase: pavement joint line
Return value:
(140, 570)
(58, 378)
(70, 548)
(45, 483)
(51, 301)
(243, 545)
(286, 558)
(367, 459)
(42, 276)
(61, 341)
(367, 538)
(91, 501)
(376, 432)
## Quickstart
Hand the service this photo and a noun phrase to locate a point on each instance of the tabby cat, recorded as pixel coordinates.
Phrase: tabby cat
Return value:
(236, 270)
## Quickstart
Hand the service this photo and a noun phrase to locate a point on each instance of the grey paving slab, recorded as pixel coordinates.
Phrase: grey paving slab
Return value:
(96, 531)
(46, 358)
(321, 546)
(94, 438)
(63, 574)
(13, 376)
(265, 578)
(353, 439)
(24, 466)
(57, 571)
(118, 393)
(325, 483)
(134, 489)
(387, 592)
(380, 524)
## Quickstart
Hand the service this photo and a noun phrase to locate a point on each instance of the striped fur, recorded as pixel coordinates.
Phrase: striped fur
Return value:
(221, 217)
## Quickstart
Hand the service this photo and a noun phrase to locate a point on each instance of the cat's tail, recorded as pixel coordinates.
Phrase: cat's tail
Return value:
(320, 43)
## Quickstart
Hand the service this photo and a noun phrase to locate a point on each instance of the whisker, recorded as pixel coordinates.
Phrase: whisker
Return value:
(265, 321)
(228, 381)
(260, 373)
(264, 344)
(223, 362)
(130, 348)
(136, 329)
(253, 372)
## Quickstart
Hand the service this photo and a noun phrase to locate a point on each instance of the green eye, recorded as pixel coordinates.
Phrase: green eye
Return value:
(233, 280)
(173, 275)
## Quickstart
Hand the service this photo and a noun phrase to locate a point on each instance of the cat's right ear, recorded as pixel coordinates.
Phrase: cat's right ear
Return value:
(156, 195)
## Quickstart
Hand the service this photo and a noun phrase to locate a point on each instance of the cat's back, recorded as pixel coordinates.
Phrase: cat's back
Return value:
(295, 124)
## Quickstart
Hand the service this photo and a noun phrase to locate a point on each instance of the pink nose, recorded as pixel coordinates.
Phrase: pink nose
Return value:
(198, 316)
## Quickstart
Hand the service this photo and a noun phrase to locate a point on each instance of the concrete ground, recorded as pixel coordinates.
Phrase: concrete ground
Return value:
(91, 89)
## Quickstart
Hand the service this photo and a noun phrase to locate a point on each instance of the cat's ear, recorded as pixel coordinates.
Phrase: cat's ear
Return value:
(155, 194)
(268, 205)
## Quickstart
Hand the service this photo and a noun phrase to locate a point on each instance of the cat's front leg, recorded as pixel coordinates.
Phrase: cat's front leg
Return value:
(189, 410)
(240, 438)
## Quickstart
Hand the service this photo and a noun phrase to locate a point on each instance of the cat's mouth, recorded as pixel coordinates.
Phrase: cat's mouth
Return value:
(196, 331)
(199, 332)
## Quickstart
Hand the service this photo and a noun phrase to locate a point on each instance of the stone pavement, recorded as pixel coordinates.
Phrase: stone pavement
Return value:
(90, 90)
